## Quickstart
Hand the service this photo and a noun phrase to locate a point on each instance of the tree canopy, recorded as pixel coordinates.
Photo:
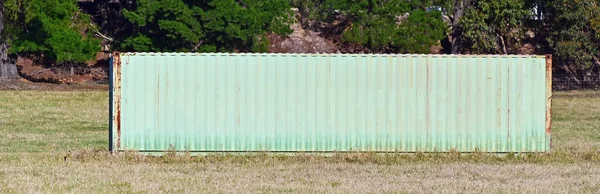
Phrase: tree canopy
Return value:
(490, 26)
(207, 26)
(65, 31)
(390, 25)
(56, 28)
(575, 34)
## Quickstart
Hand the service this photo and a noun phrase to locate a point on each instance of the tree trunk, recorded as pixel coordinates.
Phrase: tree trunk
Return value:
(572, 74)
(8, 68)
(460, 7)
(502, 44)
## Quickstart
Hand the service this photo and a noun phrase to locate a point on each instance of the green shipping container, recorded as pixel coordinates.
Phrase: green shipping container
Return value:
(217, 102)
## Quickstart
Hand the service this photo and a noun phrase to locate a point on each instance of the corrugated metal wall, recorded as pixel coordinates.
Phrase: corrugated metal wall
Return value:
(329, 102)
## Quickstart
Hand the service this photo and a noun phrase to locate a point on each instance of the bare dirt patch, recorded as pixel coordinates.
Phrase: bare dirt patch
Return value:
(301, 41)
(93, 72)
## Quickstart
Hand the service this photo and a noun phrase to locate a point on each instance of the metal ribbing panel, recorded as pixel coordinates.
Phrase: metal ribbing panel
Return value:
(322, 102)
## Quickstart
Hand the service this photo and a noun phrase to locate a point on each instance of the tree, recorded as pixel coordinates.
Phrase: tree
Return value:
(574, 36)
(56, 28)
(390, 25)
(8, 69)
(460, 6)
(163, 25)
(491, 26)
(243, 25)
(207, 26)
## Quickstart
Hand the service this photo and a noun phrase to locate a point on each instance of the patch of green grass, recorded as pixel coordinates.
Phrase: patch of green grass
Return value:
(575, 121)
(34, 121)
(56, 142)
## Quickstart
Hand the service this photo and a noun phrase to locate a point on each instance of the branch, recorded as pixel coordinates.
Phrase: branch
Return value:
(104, 36)
(74, 18)
(100, 34)
(596, 60)
(197, 46)
(503, 44)
(571, 73)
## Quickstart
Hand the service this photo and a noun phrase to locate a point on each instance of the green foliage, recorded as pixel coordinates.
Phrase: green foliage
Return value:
(420, 32)
(61, 31)
(376, 24)
(575, 34)
(163, 25)
(490, 26)
(56, 28)
(232, 26)
(208, 26)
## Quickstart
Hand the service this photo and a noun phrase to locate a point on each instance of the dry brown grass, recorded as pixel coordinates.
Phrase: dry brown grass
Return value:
(128, 174)
(55, 142)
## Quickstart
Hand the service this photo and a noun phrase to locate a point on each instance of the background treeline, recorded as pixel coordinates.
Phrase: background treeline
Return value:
(72, 31)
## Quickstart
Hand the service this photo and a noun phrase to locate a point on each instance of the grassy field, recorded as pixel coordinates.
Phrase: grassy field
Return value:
(56, 142)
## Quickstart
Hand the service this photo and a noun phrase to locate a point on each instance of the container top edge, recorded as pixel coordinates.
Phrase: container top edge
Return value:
(317, 54)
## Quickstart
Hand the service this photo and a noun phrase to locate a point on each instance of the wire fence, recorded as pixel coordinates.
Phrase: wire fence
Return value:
(565, 83)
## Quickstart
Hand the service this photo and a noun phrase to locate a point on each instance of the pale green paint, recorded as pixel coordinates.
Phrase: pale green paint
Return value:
(332, 102)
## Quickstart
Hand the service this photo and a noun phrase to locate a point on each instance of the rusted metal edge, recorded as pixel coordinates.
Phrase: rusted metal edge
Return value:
(115, 102)
(549, 101)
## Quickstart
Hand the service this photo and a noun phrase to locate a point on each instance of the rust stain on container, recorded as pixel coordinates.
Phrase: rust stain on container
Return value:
(549, 98)
(117, 97)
